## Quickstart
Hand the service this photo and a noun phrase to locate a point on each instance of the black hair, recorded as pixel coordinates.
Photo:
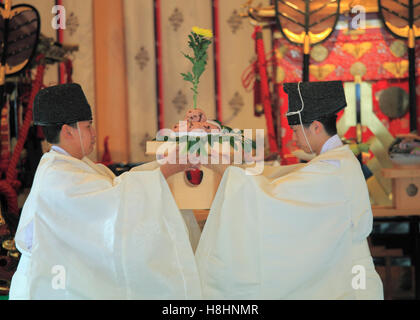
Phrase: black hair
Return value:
(52, 132)
(329, 122)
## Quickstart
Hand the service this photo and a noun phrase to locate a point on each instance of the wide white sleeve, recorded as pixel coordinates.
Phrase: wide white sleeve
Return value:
(269, 240)
(105, 238)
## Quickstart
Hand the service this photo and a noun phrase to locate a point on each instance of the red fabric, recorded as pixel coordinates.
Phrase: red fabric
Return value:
(258, 95)
(265, 91)
(287, 146)
(69, 70)
(194, 176)
(216, 32)
(158, 35)
(106, 157)
(379, 52)
(60, 38)
(340, 60)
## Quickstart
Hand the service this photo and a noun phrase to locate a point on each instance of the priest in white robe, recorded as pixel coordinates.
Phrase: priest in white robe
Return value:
(85, 233)
(294, 232)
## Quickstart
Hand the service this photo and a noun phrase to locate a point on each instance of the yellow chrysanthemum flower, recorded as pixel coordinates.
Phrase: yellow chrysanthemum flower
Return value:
(203, 32)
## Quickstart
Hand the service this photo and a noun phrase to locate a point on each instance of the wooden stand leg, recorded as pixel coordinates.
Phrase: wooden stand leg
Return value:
(414, 230)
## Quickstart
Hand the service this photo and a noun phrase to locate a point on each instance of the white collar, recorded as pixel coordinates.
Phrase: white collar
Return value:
(331, 143)
(60, 150)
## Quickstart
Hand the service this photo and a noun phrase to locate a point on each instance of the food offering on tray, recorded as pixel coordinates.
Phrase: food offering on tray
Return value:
(405, 150)
(197, 135)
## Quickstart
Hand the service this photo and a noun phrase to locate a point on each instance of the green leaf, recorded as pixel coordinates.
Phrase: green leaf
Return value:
(227, 128)
(232, 142)
(191, 43)
(199, 45)
(198, 69)
(189, 57)
(188, 77)
(194, 90)
(189, 145)
(210, 140)
(220, 124)
(193, 145)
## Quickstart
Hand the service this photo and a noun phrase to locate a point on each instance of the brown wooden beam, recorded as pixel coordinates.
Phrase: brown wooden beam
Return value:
(111, 79)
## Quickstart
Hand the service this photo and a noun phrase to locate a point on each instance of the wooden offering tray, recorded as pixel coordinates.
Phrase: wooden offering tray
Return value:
(405, 186)
(186, 194)
(195, 130)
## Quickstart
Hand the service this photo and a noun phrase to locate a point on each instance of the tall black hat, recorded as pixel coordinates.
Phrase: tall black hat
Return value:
(62, 104)
(320, 99)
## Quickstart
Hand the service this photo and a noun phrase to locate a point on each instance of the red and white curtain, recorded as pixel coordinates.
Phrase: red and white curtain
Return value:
(156, 34)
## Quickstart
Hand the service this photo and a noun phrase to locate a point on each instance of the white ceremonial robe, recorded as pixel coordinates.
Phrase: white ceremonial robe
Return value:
(295, 232)
(97, 236)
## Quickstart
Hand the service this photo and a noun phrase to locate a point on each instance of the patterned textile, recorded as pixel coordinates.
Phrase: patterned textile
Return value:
(383, 58)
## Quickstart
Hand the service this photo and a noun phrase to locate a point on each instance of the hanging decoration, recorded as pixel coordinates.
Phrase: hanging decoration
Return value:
(398, 18)
(19, 32)
(307, 24)
(20, 28)
(22, 49)
(265, 90)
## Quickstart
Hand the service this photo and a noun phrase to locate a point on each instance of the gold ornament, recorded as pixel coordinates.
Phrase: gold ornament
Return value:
(307, 39)
(358, 70)
(259, 108)
(9, 245)
(379, 187)
(398, 69)
(13, 254)
(319, 53)
(280, 75)
(280, 52)
(357, 50)
(321, 72)
(398, 48)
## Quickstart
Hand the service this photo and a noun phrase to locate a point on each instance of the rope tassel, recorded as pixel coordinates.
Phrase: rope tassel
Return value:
(9, 186)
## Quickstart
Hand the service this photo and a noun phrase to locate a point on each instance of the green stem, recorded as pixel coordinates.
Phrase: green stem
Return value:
(195, 95)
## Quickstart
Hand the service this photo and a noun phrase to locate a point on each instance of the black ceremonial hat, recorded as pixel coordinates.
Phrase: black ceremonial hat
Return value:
(61, 104)
(320, 99)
